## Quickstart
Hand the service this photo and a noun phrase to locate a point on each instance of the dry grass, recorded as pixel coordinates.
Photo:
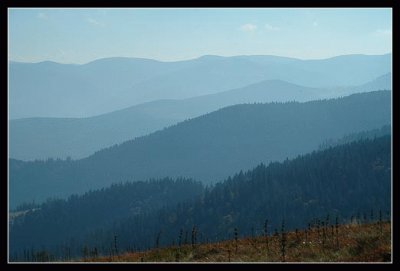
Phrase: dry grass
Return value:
(354, 243)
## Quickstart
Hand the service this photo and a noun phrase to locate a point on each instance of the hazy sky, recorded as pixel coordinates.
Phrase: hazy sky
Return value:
(83, 35)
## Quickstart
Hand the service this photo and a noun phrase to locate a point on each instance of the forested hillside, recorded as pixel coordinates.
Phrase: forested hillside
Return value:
(350, 181)
(371, 134)
(57, 220)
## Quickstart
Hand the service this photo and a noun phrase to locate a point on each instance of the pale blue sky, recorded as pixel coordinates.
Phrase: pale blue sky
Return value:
(83, 35)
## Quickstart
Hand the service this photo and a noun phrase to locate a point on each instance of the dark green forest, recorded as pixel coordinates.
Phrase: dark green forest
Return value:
(56, 220)
(208, 148)
(384, 130)
(351, 181)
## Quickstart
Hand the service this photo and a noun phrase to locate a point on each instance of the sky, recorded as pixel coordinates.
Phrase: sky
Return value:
(83, 35)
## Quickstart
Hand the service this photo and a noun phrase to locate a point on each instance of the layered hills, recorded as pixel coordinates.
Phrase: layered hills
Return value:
(49, 89)
(207, 148)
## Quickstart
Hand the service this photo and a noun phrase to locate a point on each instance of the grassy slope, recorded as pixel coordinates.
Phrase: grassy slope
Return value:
(357, 243)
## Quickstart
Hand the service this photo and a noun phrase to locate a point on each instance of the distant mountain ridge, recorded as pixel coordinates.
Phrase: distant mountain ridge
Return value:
(206, 148)
(49, 89)
(42, 138)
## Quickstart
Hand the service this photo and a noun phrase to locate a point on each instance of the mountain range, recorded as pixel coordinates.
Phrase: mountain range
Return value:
(207, 148)
(42, 138)
(124, 154)
(49, 89)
